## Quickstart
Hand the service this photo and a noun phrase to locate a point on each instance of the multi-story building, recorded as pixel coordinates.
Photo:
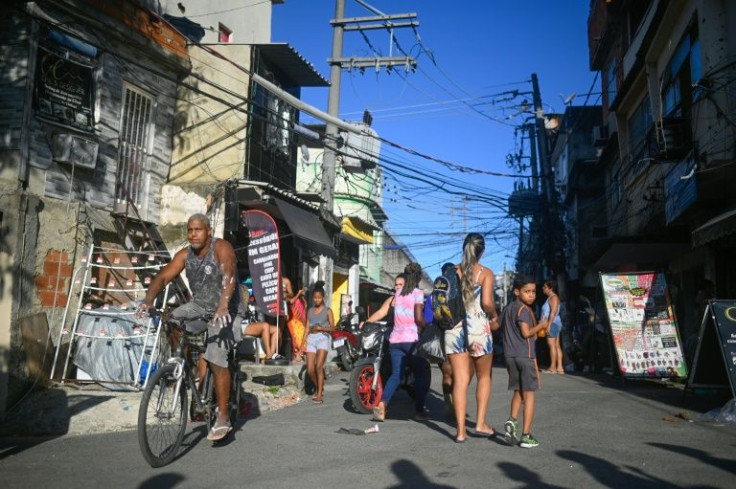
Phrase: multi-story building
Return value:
(667, 74)
(357, 204)
(579, 183)
(119, 121)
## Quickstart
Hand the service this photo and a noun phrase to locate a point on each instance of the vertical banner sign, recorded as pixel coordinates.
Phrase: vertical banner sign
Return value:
(263, 260)
(643, 325)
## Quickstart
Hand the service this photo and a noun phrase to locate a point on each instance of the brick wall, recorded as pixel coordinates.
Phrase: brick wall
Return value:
(53, 282)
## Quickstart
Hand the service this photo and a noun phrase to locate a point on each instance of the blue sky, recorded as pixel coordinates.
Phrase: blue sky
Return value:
(452, 108)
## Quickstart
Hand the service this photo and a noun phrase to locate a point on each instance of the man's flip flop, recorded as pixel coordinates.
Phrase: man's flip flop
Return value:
(219, 431)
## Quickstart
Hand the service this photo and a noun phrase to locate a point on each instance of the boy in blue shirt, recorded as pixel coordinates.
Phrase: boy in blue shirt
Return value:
(520, 330)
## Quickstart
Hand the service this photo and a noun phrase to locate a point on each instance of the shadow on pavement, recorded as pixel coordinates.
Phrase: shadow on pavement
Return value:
(47, 413)
(162, 481)
(41, 417)
(524, 476)
(410, 475)
(667, 392)
(611, 475)
(699, 455)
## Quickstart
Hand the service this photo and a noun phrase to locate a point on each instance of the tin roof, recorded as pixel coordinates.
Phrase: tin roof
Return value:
(294, 67)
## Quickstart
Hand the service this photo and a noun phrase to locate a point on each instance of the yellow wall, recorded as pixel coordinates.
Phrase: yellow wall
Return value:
(209, 135)
(339, 287)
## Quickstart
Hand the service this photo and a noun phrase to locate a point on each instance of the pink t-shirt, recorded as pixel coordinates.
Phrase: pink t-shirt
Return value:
(405, 329)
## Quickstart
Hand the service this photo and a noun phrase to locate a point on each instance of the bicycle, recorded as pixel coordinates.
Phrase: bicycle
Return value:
(162, 416)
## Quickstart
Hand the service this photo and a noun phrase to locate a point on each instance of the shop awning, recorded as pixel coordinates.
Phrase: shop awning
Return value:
(619, 254)
(718, 227)
(376, 288)
(306, 227)
(358, 230)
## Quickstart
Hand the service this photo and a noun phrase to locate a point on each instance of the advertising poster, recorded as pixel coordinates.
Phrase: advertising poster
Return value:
(63, 91)
(263, 260)
(643, 325)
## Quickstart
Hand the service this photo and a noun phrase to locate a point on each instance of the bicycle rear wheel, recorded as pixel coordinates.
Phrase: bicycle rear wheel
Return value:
(162, 417)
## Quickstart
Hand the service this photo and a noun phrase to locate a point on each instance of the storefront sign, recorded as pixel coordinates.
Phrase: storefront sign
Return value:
(714, 364)
(643, 325)
(263, 261)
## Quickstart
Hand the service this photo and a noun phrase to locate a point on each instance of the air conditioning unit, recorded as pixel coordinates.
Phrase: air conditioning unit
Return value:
(74, 150)
(600, 135)
(361, 150)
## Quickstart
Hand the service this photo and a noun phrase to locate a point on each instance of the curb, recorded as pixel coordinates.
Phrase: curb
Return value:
(74, 409)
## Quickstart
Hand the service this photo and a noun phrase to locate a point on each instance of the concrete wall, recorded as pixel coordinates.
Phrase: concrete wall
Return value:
(212, 122)
(249, 20)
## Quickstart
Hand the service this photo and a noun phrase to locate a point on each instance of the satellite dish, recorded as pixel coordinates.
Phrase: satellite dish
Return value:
(305, 153)
(569, 99)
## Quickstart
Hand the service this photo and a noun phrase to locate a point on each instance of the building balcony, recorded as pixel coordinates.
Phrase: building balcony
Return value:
(604, 22)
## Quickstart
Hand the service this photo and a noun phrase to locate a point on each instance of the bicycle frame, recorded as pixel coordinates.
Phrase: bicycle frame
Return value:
(183, 371)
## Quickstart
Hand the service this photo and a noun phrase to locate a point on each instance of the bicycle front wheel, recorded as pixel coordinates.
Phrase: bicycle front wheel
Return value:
(162, 417)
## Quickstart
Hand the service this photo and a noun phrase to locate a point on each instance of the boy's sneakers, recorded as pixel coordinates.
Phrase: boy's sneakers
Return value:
(511, 431)
(528, 441)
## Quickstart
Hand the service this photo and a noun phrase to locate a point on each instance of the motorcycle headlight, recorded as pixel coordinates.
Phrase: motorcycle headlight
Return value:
(370, 341)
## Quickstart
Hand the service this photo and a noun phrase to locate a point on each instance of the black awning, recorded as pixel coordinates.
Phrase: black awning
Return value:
(718, 227)
(306, 227)
(641, 254)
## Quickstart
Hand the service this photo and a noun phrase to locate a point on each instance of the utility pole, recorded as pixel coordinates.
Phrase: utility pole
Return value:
(533, 158)
(544, 162)
(552, 224)
(333, 108)
(337, 63)
(340, 24)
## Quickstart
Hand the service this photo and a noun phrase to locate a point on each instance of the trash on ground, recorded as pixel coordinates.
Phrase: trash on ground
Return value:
(725, 414)
(356, 431)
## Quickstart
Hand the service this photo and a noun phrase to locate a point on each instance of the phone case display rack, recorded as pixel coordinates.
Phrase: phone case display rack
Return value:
(86, 285)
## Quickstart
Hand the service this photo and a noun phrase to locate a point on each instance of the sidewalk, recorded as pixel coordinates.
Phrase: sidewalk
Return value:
(84, 409)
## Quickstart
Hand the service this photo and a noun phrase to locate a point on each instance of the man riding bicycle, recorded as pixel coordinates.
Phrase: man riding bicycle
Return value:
(212, 274)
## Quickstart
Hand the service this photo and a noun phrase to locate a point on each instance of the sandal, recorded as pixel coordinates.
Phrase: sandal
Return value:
(548, 371)
(317, 400)
(489, 434)
(219, 431)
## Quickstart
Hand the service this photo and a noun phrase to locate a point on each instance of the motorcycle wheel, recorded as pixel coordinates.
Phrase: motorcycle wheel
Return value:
(346, 358)
(364, 399)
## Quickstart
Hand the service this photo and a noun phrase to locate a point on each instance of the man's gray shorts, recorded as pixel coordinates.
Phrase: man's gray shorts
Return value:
(522, 374)
(219, 340)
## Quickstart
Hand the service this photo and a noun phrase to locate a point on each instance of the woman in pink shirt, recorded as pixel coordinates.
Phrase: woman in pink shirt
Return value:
(408, 321)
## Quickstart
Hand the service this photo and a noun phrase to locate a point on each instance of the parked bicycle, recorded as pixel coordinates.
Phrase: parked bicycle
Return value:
(163, 413)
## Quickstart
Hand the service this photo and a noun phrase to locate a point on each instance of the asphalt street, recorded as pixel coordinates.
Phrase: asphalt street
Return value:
(593, 432)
